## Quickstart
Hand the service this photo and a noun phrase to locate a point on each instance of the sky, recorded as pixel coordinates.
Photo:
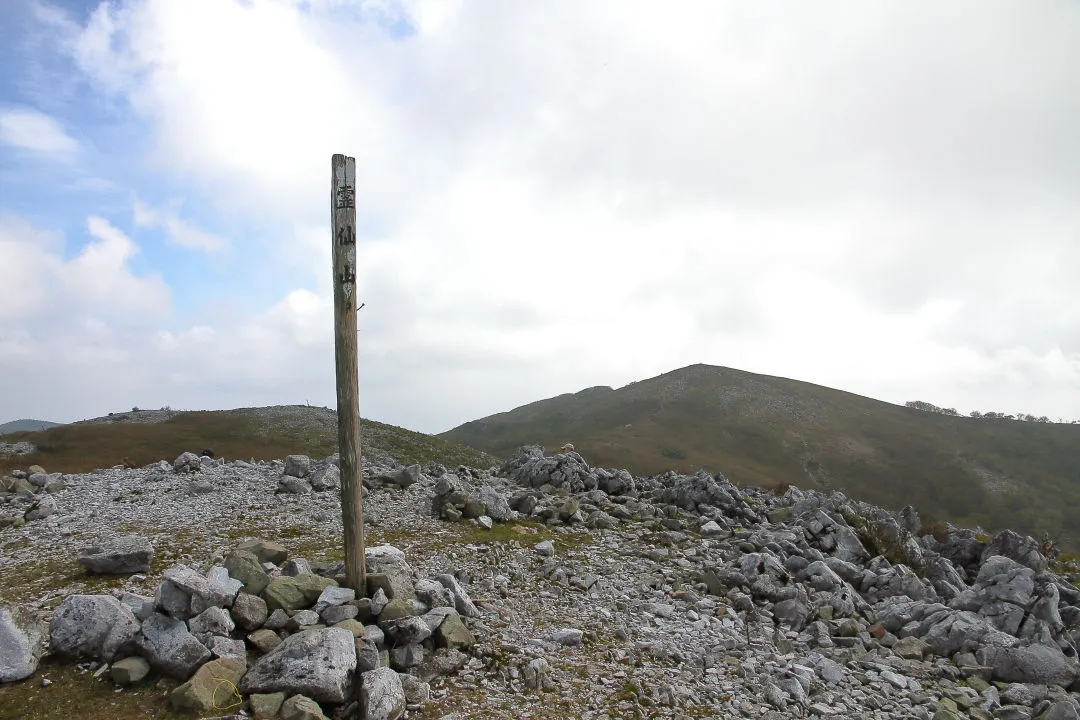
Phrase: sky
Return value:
(882, 198)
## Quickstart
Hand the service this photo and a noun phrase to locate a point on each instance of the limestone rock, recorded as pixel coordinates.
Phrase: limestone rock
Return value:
(44, 507)
(92, 626)
(265, 551)
(20, 642)
(249, 611)
(129, 671)
(1030, 664)
(381, 695)
(170, 648)
(326, 478)
(297, 466)
(187, 462)
(295, 593)
(264, 640)
(452, 633)
(212, 621)
(299, 707)
(246, 567)
(265, 706)
(120, 555)
(317, 663)
(462, 602)
(211, 687)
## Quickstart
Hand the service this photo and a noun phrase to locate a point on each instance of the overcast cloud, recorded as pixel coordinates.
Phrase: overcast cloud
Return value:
(878, 197)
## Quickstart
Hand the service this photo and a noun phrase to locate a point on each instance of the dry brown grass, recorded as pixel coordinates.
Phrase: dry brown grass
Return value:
(232, 434)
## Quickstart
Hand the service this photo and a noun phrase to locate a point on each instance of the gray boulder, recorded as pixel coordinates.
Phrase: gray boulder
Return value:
(249, 611)
(297, 466)
(120, 555)
(245, 566)
(382, 696)
(396, 574)
(170, 648)
(220, 592)
(462, 602)
(1067, 709)
(1030, 664)
(92, 626)
(45, 507)
(407, 630)
(20, 642)
(434, 594)
(531, 468)
(293, 485)
(172, 600)
(210, 622)
(326, 478)
(317, 663)
(188, 580)
(1023, 549)
(496, 506)
(187, 462)
(402, 477)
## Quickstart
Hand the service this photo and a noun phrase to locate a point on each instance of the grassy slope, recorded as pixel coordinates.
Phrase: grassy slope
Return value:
(768, 431)
(244, 433)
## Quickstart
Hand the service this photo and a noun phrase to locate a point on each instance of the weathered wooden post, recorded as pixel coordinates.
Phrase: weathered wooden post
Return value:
(343, 209)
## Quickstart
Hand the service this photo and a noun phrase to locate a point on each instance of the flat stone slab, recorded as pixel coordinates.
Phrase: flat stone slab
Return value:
(121, 555)
(316, 663)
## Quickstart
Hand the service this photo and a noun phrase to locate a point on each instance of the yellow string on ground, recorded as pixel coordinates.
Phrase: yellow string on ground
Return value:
(235, 700)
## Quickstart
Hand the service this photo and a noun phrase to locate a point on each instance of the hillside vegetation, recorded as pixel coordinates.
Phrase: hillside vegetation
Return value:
(259, 433)
(771, 431)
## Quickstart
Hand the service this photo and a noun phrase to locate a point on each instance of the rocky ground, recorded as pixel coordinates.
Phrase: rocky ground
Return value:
(602, 595)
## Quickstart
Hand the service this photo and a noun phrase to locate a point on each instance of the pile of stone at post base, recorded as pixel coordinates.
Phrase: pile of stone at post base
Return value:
(317, 650)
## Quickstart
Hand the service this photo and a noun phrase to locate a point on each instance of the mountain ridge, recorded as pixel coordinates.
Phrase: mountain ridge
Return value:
(26, 425)
(771, 431)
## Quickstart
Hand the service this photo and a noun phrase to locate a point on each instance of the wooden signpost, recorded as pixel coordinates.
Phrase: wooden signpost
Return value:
(343, 213)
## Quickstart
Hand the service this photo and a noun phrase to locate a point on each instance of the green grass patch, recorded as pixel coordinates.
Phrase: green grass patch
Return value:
(73, 694)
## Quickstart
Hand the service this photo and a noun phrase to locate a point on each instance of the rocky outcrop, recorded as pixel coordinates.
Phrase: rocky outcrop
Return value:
(20, 642)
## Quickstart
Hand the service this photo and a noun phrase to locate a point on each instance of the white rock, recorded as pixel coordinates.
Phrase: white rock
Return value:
(382, 696)
(20, 642)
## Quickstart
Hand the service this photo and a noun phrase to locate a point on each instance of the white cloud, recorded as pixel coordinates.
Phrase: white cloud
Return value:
(42, 288)
(177, 231)
(30, 129)
(557, 195)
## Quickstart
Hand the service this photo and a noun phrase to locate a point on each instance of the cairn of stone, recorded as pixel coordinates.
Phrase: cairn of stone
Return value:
(317, 648)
